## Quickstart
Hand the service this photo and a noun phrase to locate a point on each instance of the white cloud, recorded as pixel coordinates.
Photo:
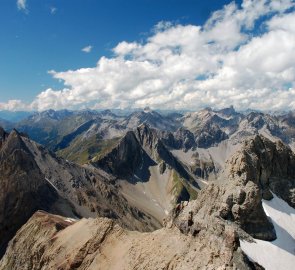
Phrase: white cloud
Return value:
(53, 10)
(87, 49)
(162, 25)
(14, 105)
(22, 5)
(124, 48)
(242, 56)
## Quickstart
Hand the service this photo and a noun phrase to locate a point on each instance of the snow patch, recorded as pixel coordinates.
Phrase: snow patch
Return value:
(51, 184)
(280, 253)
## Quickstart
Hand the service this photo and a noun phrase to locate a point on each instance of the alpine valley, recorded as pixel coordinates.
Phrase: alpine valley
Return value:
(211, 189)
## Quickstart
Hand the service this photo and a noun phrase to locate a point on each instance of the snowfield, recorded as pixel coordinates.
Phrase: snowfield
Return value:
(280, 253)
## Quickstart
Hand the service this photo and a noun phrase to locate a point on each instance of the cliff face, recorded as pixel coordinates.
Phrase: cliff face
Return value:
(23, 187)
(123, 159)
(258, 168)
(261, 166)
(270, 165)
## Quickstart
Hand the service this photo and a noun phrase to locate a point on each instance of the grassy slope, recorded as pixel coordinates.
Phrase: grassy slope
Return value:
(82, 151)
(49, 131)
(179, 184)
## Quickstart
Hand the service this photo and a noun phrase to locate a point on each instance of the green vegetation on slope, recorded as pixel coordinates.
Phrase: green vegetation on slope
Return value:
(181, 189)
(49, 131)
(83, 150)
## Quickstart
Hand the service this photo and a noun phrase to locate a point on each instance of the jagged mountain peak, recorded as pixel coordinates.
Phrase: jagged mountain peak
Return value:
(208, 116)
(261, 167)
(269, 164)
(146, 114)
(108, 114)
(3, 134)
(13, 141)
(23, 187)
(137, 145)
(147, 109)
(201, 113)
(228, 111)
(150, 117)
(141, 157)
(123, 158)
(146, 135)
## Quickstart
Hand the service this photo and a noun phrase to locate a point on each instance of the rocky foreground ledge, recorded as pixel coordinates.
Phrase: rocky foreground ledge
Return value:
(48, 241)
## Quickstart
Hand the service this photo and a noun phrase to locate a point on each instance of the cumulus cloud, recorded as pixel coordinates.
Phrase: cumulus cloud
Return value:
(162, 25)
(124, 48)
(14, 105)
(22, 5)
(243, 55)
(87, 49)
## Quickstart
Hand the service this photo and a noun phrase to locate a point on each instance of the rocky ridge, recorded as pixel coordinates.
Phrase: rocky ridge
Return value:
(53, 242)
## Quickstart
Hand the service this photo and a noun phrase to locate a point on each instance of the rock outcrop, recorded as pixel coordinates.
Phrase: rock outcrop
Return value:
(210, 135)
(270, 165)
(261, 166)
(250, 175)
(180, 139)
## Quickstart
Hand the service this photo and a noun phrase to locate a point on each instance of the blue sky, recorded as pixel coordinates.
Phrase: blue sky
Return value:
(121, 70)
(50, 35)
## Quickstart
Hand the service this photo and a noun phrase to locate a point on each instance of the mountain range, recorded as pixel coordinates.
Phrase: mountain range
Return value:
(146, 190)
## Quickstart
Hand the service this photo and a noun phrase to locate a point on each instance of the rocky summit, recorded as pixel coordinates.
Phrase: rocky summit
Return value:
(213, 189)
